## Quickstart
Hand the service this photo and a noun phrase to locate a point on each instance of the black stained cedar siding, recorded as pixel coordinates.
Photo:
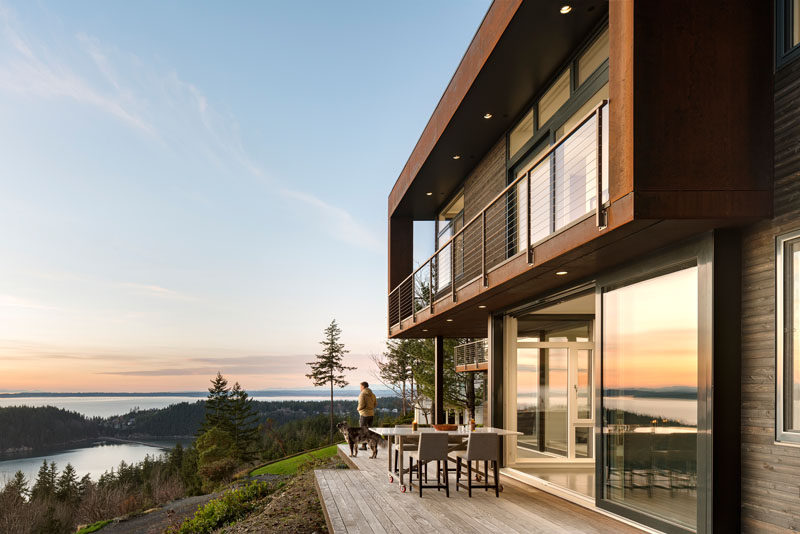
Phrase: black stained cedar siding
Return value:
(485, 182)
(770, 472)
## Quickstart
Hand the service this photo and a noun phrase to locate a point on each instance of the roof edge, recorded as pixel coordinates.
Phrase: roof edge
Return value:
(492, 27)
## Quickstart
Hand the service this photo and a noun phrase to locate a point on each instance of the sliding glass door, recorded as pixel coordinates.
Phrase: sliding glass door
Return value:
(650, 363)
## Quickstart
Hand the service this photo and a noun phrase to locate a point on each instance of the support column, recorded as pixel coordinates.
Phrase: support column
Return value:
(438, 365)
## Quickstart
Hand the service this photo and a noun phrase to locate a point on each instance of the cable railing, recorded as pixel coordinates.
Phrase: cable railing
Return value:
(559, 188)
(470, 355)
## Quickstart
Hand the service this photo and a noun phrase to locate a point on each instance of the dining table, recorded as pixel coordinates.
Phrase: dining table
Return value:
(458, 439)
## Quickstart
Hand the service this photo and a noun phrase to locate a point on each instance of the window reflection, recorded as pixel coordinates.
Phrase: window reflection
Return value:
(650, 396)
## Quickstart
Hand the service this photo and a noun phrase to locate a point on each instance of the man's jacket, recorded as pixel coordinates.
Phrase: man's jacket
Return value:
(366, 403)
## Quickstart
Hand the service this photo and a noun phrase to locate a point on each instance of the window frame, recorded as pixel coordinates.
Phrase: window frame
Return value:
(782, 297)
(784, 53)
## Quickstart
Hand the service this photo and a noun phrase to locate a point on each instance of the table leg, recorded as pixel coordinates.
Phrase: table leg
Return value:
(400, 453)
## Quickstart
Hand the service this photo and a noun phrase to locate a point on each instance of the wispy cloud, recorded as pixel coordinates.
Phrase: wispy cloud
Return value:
(156, 291)
(32, 70)
(338, 222)
(11, 301)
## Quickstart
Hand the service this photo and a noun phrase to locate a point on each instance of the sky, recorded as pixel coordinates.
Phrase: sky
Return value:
(188, 187)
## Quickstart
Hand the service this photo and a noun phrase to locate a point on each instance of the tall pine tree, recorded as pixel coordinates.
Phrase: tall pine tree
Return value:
(328, 368)
(67, 488)
(217, 405)
(45, 486)
(244, 423)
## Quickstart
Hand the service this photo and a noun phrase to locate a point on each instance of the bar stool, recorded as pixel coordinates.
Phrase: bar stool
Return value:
(432, 448)
(481, 446)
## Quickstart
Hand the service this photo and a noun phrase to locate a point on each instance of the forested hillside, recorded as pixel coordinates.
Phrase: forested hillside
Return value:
(25, 427)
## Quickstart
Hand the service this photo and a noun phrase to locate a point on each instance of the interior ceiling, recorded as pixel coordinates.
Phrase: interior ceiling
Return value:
(536, 43)
(583, 305)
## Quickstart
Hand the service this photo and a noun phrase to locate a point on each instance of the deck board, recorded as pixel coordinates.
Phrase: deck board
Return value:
(362, 501)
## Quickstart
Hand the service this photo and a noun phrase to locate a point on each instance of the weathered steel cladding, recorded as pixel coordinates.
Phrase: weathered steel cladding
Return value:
(770, 472)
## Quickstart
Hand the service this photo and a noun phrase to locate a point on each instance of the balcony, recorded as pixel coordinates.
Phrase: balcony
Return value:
(471, 357)
(559, 189)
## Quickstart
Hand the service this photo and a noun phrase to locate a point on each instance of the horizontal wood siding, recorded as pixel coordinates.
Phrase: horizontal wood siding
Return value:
(485, 182)
(770, 472)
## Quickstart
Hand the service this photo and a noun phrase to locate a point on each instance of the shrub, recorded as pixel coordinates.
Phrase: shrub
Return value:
(233, 505)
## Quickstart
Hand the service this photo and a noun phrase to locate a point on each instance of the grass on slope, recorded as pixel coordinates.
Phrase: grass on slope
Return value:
(94, 527)
(289, 466)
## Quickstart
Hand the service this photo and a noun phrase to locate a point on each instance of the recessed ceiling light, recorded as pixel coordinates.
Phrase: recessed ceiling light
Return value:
(429, 193)
(456, 157)
(561, 273)
(482, 306)
(449, 320)
(487, 116)
(565, 9)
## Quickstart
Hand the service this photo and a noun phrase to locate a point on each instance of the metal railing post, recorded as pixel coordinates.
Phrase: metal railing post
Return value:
(528, 220)
(483, 249)
(453, 268)
(414, 298)
(430, 286)
(600, 216)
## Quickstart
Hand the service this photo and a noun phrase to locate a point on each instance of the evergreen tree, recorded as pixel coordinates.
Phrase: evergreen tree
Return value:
(328, 368)
(17, 486)
(244, 423)
(85, 485)
(45, 486)
(217, 405)
(67, 489)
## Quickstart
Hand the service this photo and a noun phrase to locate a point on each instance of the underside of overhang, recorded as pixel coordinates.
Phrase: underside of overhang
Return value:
(534, 45)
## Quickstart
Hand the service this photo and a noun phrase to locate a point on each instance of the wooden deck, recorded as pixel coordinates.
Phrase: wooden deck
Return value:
(361, 500)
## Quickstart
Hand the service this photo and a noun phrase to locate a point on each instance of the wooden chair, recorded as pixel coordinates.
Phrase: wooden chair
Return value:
(481, 446)
(432, 448)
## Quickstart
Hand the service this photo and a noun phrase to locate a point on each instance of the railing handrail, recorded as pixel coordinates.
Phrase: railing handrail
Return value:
(508, 188)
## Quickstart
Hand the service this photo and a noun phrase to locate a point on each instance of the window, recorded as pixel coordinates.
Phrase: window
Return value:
(520, 133)
(787, 30)
(594, 57)
(788, 337)
(554, 98)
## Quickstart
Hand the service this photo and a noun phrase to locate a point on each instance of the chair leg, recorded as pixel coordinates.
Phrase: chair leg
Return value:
(419, 476)
(458, 472)
(426, 472)
(469, 477)
(446, 481)
(496, 481)
(486, 474)
(410, 470)
(438, 475)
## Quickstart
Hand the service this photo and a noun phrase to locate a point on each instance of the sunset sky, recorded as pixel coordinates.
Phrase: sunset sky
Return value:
(189, 187)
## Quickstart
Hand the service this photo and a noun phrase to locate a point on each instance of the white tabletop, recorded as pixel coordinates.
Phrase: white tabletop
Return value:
(406, 431)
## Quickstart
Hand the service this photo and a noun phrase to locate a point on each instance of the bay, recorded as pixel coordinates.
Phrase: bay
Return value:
(93, 460)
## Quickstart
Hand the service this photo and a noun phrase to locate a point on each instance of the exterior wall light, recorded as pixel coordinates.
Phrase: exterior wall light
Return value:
(561, 273)
(429, 193)
(487, 116)
(456, 157)
(565, 9)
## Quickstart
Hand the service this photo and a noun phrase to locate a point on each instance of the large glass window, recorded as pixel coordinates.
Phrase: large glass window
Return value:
(554, 98)
(787, 30)
(650, 398)
(788, 336)
(593, 57)
(520, 133)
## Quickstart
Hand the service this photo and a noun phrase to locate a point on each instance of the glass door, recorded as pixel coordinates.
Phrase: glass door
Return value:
(555, 400)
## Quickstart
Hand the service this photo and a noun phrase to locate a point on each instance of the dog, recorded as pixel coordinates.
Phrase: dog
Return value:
(354, 435)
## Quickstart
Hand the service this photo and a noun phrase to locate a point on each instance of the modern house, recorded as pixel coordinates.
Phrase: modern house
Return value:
(616, 194)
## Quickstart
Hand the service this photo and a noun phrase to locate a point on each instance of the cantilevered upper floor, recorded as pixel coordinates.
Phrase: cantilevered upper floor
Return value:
(575, 137)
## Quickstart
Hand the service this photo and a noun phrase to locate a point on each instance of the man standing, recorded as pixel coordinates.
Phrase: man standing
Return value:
(366, 408)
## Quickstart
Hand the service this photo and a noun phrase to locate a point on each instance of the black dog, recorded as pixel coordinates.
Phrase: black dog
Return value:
(360, 434)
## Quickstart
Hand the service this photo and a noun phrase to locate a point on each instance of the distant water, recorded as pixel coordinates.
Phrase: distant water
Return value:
(683, 410)
(108, 406)
(92, 460)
